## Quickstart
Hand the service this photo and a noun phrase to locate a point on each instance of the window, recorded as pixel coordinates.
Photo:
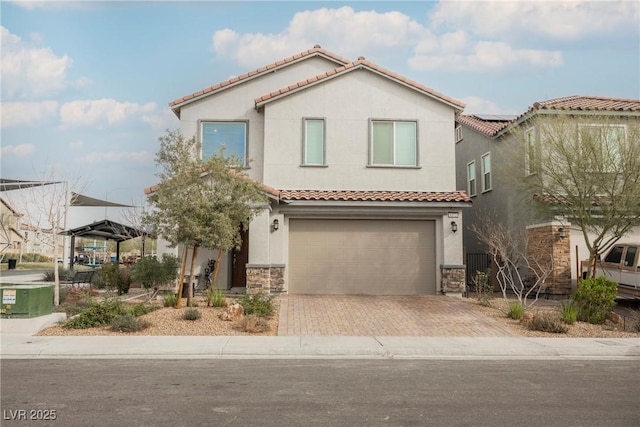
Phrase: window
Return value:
(393, 143)
(486, 172)
(232, 136)
(458, 133)
(313, 152)
(471, 178)
(630, 256)
(603, 145)
(531, 154)
(615, 255)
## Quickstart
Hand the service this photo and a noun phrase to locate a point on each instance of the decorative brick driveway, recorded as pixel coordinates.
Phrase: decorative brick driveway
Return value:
(356, 315)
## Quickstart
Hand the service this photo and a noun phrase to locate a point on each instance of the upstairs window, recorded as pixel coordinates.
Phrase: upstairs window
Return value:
(471, 178)
(603, 145)
(313, 150)
(458, 133)
(486, 172)
(393, 143)
(232, 136)
(532, 159)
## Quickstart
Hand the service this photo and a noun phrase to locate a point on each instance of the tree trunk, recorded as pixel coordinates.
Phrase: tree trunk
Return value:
(182, 271)
(215, 274)
(56, 271)
(194, 256)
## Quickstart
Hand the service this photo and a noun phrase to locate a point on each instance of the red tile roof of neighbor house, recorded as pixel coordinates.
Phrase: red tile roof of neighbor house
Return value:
(361, 63)
(489, 128)
(316, 51)
(374, 196)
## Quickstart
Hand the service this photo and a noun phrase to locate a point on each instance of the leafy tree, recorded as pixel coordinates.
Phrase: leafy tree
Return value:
(201, 202)
(152, 273)
(584, 168)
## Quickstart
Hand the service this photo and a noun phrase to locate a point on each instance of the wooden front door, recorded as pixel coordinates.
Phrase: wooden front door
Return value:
(240, 259)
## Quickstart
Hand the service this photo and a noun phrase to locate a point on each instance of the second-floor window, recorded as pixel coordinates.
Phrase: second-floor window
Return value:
(602, 145)
(313, 148)
(471, 178)
(230, 135)
(486, 172)
(393, 143)
(531, 152)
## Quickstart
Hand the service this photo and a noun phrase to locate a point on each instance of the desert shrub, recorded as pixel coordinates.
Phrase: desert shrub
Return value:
(114, 277)
(128, 323)
(547, 322)
(516, 310)
(96, 314)
(152, 273)
(216, 298)
(259, 304)
(137, 310)
(569, 312)
(170, 300)
(191, 314)
(65, 275)
(252, 324)
(595, 298)
(484, 289)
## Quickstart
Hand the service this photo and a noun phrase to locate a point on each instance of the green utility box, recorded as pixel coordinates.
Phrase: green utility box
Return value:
(22, 301)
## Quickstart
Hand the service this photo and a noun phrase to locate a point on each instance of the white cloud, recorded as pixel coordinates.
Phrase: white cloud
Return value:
(21, 150)
(161, 121)
(102, 111)
(27, 113)
(555, 19)
(475, 105)
(117, 156)
(341, 30)
(28, 71)
(76, 145)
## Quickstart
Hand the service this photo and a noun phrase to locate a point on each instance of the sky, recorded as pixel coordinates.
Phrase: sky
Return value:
(86, 85)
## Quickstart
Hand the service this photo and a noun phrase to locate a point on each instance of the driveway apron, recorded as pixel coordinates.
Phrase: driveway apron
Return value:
(364, 315)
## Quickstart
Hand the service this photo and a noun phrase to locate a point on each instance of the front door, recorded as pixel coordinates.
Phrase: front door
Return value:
(240, 259)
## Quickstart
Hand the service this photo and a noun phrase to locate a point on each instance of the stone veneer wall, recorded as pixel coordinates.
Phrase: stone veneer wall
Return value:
(268, 279)
(545, 245)
(453, 278)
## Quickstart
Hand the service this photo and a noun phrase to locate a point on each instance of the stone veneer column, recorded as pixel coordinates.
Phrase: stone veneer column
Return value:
(453, 278)
(268, 279)
(545, 244)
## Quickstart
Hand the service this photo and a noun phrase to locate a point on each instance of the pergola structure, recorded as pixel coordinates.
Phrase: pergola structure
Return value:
(104, 230)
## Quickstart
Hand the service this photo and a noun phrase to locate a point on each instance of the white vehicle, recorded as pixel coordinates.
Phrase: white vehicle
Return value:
(622, 265)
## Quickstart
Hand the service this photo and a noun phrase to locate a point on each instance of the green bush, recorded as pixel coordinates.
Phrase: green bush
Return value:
(595, 298)
(258, 304)
(26, 257)
(191, 314)
(114, 277)
(516, 310)
(97, 314)
(137, 310)
(151, 273)
(547, 322)
(64, 274)
(216, 298)
(569, 312)
(128, 323)
(170, 300)
(483, 288)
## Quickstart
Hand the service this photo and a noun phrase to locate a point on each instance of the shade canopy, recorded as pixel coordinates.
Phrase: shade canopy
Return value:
(19, 184)
(106, 230)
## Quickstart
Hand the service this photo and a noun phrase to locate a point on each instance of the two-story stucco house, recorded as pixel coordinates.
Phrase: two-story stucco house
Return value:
(480, 170)
(361, 166)
(11, 239)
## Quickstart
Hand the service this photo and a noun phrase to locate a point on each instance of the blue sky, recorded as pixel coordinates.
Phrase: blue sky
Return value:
(86, 85)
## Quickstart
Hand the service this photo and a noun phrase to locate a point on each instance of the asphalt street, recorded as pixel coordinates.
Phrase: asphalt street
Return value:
(240, 392)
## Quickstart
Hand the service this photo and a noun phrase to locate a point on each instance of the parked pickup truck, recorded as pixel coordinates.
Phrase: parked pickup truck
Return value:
(622, 265)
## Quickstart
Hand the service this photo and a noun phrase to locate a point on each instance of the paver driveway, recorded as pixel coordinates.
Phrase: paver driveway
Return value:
(356, 315)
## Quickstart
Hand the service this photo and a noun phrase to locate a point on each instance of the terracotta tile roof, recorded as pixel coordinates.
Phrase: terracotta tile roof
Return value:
(588, 103)
(375, 196)
(487, 127)
(359, 64)
(316, 51)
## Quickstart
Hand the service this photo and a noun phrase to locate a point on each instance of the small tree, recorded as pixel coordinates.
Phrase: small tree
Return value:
(584, 167)
(201, 202)
(153, 274)
(524, 276)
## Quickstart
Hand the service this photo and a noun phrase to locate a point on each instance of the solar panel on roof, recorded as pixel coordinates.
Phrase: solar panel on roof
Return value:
(495, 117)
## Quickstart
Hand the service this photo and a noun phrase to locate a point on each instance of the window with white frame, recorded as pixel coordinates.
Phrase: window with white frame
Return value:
(232, 136)
(486, 172)
(458, 133)
(606, 141)
(471, 178)
(313, 149)
(393, 143)
(532, 158)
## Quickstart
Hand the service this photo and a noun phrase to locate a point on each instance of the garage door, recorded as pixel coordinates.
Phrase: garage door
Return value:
(371, 257)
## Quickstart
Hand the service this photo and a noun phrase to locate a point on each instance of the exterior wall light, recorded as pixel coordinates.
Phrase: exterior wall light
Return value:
(454, 226)
(275, 225)
(561, 233)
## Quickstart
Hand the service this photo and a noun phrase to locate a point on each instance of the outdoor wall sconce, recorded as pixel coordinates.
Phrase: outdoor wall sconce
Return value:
(275, 225)
(454, 226)
(561, 233)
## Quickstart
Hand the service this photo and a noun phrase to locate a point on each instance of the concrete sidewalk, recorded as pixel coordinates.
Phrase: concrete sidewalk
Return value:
(25, 346)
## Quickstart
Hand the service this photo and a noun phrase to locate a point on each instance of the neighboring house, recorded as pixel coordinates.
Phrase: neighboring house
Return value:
(479, 158)
(39, 241)
(361, 169)
(11, 239)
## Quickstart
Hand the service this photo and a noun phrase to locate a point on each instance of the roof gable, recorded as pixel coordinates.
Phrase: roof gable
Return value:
(360, 64)
(317, 51)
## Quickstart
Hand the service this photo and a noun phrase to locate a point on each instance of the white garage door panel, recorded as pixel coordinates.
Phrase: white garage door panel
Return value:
(378, 257)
